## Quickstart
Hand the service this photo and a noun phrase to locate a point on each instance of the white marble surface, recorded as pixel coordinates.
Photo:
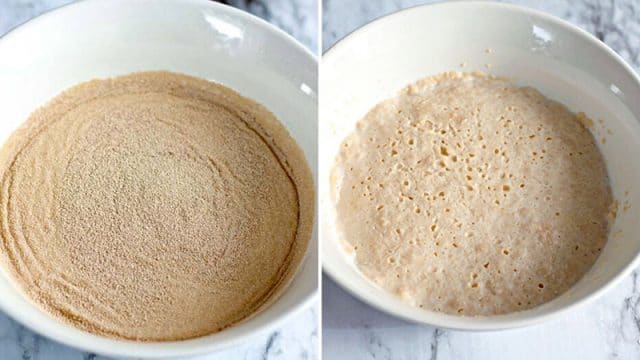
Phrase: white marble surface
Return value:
(298, 338)
(606, 329)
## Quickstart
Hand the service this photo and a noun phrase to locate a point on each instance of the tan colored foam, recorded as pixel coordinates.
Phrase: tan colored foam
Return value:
(467, 195)
(153, 206)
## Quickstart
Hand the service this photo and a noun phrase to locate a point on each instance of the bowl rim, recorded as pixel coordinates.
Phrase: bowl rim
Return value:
(491, 323)
(127, 348)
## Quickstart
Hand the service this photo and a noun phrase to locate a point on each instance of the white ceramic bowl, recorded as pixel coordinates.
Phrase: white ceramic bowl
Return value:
(93, 39)
(562, 61)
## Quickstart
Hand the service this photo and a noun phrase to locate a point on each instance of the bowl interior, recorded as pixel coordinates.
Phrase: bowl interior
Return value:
(532, 49)
(97, 39)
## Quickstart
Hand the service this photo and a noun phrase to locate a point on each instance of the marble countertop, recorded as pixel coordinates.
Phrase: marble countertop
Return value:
(298, 338)
(606, 329)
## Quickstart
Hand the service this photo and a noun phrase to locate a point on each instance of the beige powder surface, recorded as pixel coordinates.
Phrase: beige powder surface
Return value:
(468, 195)
(153, 207)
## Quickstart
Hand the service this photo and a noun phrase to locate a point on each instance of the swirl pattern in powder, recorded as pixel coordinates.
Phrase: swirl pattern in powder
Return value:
(153, 206)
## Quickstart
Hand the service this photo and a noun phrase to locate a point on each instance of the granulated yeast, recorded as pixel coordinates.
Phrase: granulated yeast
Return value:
(153, 206)
(467, 195)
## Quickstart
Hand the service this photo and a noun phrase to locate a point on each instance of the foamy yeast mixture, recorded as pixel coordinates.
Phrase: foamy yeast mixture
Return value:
(467, 195)
(153, 206)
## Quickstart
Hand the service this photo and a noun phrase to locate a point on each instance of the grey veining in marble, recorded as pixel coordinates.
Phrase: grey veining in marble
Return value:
(299, 18)
(298, 338)
(606, 329)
